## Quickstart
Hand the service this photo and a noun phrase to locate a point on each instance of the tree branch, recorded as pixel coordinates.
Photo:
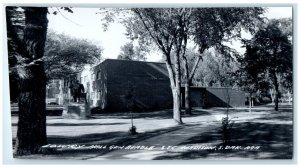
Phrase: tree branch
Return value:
(194, 68)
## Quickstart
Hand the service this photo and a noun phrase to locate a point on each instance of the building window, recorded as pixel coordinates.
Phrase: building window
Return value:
(98, 75)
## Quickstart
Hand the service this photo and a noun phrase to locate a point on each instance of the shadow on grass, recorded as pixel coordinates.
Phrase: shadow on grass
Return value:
(108, 138)
(277, 117)
(275, 141)
(79, 124)
(84, 124)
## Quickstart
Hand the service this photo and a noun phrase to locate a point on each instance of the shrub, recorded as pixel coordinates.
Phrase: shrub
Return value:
(226, 130)
(132, 130)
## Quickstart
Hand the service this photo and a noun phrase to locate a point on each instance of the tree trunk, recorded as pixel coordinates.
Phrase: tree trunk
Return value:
(31, 133)
(189, 77)
(176, 91)
(187, 99)
(176, 105)
(176, 95)
(250, 103)
(187, 103)
(174, 75)
(276, 100)
(276, 85)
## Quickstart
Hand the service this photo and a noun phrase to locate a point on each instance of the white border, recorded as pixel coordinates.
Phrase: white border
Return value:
(4, 91)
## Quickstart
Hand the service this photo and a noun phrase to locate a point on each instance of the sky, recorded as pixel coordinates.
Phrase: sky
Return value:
(85, 23)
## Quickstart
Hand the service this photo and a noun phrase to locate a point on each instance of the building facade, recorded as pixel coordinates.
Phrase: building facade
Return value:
(108, 84)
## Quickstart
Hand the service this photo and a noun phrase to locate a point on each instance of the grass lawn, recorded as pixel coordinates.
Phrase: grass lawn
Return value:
(265, 128)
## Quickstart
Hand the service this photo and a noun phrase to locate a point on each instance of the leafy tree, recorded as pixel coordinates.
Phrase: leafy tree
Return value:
(26, 36)
(196, 25)
(269, 57)
(26, 32)
(250, 76)
(65, 55)
(285, 25)
(165, 27)
(215, 70)
(131, 52)
(170, 30)
(212, 27)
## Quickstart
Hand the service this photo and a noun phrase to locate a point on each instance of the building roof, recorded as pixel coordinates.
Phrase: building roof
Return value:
(136, 68)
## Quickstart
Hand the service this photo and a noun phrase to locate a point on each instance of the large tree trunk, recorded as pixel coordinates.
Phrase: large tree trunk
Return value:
(176, 96)
(176, 105)
(176, 91)
(174, 75)
(31, 133)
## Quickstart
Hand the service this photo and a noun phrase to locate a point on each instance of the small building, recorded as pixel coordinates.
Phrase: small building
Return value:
(214, 97)
(223, 96)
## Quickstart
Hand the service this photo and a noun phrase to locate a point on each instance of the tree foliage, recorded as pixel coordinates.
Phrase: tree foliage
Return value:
(131, 52)
(215, 70)
(65, 55)
(268, 58)
(217, 25)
